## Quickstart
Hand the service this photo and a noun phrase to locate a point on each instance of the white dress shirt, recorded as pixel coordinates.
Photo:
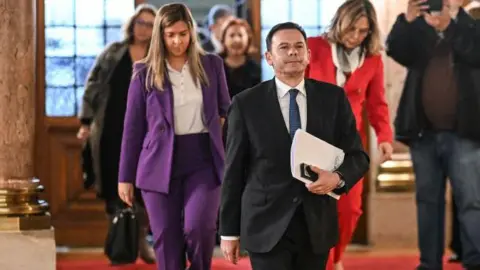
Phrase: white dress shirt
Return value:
(188, 110)
(284, 100)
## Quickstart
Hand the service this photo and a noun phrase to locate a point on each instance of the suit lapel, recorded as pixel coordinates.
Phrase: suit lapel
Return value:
(208, 108)
(314, 106)
(272, 106)
(165, 98)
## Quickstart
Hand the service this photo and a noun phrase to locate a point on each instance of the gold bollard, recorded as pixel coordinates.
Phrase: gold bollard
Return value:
(20, 206)
(396, 175)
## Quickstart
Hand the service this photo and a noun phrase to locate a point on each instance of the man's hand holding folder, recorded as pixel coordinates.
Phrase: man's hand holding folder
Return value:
(314, 161)
(326, 182)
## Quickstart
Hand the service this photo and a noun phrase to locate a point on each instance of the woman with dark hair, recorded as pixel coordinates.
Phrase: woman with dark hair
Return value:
(348, 55)
(241, 70)
(103, 111)
(172, 141)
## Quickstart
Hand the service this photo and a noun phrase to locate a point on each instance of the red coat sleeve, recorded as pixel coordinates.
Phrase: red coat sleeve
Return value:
(377, 107)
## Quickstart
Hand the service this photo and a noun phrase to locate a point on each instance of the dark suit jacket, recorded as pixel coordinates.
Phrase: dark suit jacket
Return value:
(259, 194)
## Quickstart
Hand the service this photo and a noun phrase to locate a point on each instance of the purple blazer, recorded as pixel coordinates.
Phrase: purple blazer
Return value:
(147, 143)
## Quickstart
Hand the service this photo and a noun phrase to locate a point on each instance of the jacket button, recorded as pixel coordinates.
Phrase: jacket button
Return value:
(162, 129)
(295, 200)
(359, 90)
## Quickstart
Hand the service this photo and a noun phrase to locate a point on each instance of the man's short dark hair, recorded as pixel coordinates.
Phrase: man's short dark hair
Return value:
(217, 12)
(283, 26)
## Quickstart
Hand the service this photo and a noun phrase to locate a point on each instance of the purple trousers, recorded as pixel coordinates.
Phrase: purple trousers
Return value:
(184, 220)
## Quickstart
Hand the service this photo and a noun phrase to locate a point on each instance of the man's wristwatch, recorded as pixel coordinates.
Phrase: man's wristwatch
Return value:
(341, 183)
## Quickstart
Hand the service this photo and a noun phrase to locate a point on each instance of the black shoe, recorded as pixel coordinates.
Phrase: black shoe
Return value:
(454, 258)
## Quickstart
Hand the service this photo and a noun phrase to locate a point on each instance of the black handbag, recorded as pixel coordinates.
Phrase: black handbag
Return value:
(121, 245)
(87, 166)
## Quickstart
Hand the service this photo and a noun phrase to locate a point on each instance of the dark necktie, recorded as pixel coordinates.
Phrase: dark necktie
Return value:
(294, 113)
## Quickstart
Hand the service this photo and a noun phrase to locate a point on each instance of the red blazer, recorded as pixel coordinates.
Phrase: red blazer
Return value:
(365, 85)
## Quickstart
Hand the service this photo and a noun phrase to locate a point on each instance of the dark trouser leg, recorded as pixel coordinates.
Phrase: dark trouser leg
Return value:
(293, 251)
(455, 244)
(430, 197)
(464, 172)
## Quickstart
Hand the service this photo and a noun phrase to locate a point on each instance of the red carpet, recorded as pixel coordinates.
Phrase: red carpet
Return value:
(352, 263)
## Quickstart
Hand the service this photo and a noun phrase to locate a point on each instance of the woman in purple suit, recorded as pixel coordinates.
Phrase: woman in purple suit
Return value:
(172, 143)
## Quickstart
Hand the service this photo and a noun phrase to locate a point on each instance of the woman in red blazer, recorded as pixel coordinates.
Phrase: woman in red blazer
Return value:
(348, 55)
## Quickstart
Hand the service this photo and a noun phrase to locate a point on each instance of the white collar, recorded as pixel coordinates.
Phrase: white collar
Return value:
(282, 88)
(171, 69)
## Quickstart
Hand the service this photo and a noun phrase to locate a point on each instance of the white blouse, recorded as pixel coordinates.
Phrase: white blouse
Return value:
(188, 110)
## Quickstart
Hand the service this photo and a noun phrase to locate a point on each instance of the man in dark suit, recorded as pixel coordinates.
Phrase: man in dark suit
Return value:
(281, 222)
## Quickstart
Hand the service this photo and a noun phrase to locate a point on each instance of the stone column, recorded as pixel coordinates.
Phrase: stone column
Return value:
(25, 230)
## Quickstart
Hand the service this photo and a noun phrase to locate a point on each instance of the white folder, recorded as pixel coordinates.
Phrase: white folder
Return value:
(311, 150)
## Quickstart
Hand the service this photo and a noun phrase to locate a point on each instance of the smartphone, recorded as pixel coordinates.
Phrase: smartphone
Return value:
(435, 6)
(307, 172)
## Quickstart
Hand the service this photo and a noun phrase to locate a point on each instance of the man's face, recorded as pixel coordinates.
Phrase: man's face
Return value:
(289, 54)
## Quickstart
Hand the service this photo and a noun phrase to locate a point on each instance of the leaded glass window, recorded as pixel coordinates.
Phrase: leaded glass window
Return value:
(76, 31)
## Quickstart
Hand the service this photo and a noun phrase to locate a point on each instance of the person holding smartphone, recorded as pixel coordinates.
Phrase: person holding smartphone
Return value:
(438, 119)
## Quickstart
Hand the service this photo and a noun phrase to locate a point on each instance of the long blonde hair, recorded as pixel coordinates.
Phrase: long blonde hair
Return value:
(156, 62)
(346, 16)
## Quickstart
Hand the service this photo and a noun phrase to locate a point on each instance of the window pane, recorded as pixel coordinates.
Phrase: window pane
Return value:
(264, 34)
(60, 71)
(79, 97)
(59, 41)
(314, 31)
(82, 67)
(114, 34)
(305, 12)
(58, 12)
(89, 12)
(60, 101)
(118, 11)
(267, 71)
(274, 11)
(327, 10)
(90, 41)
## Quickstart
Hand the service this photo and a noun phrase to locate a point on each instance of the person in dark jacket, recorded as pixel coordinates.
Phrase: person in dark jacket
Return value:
(103, 112)
(438, 119)
(473, 8)
(216, 17)
(242, 70)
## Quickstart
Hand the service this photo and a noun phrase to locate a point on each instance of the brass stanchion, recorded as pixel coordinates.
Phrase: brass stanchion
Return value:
(20, 206)
(396, 175)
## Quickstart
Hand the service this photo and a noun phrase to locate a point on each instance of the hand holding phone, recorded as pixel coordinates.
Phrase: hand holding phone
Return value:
(435, 6)
(416, 8)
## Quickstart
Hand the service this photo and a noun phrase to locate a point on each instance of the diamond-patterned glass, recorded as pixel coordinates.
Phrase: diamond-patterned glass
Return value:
(76, 31)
